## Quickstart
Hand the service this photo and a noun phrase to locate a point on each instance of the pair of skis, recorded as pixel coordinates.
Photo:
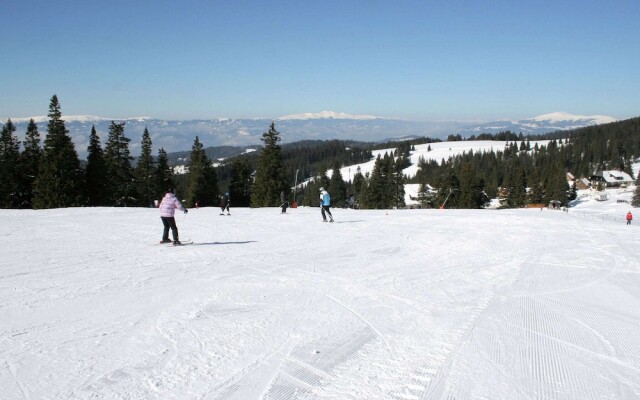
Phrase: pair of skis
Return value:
(181, 243)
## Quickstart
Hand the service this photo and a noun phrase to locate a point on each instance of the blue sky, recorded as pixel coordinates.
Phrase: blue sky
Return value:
(430, 60)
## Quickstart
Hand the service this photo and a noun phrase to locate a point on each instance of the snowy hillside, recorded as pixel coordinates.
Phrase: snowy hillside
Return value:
(445, 150)
(398, 304)
(432, 151)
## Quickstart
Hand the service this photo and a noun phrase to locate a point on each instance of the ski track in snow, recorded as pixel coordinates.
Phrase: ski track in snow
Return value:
(550, 336)
(404, 304)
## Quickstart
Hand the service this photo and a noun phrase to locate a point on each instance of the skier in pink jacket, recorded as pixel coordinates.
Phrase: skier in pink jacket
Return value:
(168, 208)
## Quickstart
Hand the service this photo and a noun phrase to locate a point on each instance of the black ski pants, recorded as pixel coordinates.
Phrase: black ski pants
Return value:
(326, 209)
(169, 222)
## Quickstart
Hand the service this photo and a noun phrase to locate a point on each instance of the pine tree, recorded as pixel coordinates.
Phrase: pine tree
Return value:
(470, 192)
(164, 175)
(398, 183)
(60, 180)
(96, 182)
(388, 171)
(359, 186)
(628, 166)
(536, 193)
(518, 194)
(337, 187)
(322, 179)
(636, 195)
(377, 186)
(523, 146)
(425, 197)
(573, 192)
(311, 197)
(448, 188)
(241, 181)
(9, 166)
(202, 181)
(310, 193)
(118, 166)
(385, 187)
(29, 162)
(145, 178)
(271, 177)
(558, 187)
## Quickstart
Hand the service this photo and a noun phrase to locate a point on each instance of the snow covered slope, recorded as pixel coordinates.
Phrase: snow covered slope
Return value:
(401, 304)
(432, 151)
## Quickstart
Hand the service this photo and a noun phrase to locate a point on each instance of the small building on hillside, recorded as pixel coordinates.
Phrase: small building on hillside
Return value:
(612, 178)
(583, 184)
(555, 204)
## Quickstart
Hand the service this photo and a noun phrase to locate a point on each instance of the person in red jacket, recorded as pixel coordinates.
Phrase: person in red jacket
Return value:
(629, 218)
(168, 208)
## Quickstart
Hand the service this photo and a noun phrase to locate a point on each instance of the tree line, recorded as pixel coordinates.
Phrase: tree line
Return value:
(383, 188)
(52, 176)
(261, 180)
(521, 174)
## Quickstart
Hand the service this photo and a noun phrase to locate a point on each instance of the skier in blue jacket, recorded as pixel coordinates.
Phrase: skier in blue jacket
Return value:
(325, 203)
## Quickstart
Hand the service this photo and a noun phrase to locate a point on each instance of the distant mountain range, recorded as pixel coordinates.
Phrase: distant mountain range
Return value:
(175, 136)
(558, 121)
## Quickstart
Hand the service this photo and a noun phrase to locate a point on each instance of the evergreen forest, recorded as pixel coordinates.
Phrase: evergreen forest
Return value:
(47, 173)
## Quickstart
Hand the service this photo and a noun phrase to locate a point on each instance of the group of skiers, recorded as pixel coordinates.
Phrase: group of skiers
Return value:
(170, 204)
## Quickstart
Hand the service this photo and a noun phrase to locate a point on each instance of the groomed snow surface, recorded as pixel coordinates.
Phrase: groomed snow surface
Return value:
(398, 304)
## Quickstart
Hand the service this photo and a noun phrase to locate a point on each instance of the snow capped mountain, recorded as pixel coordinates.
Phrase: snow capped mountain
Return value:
(563, 116)
(76, 118)
(327, 115)
(175, 136)
(67, 118)
(557, 121)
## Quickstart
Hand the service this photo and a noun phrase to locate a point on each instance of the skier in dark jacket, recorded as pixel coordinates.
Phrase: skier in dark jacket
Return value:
(283, 202)
(225, 204)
